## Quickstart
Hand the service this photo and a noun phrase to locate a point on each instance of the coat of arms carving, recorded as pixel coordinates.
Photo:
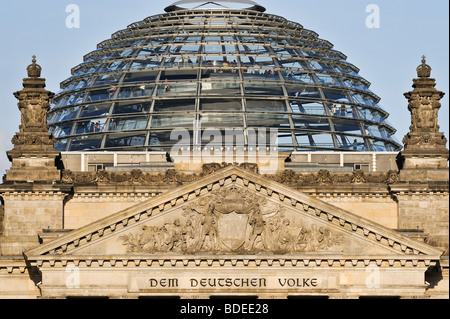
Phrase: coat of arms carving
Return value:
(233, 220)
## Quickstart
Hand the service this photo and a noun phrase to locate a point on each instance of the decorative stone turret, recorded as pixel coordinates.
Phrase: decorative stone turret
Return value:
(425, 146)
(423, 185)
(32, 192)
(33, 156)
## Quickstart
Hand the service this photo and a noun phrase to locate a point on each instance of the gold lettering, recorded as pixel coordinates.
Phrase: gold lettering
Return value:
(298, 282)
(164, 283)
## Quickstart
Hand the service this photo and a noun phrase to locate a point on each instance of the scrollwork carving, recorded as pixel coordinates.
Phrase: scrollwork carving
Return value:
(171, 176)
(359, 177)
(139, 177)
(134, 177)
(46, 139)
(392, 177)
(326, 177)
(211, 168)
(425, 139)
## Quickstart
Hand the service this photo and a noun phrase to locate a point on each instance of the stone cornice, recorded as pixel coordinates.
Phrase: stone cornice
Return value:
(420, 188)
(12, 265)
(20, 191)
(113, 196)
(12, 187)
(307, 261)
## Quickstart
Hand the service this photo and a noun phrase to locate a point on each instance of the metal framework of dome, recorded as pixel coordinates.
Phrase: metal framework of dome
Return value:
(222, 68)
(176, 5)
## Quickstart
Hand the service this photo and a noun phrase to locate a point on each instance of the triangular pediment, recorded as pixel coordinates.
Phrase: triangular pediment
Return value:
(233, 211)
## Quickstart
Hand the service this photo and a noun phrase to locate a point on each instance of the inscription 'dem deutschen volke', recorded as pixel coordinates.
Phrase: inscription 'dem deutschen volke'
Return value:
(221, 282)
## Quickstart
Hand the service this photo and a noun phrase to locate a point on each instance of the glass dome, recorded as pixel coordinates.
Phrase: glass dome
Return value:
(223, 68)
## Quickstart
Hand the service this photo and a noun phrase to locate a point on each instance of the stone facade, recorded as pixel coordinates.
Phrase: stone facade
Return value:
(234, 225)
(216, 229)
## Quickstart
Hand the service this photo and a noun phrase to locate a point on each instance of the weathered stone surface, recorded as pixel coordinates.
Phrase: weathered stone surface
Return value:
(222, 228)
(233, 218)
(423, 186)
(33, 199)
(26, 215)
(33, 156)
(425, 146)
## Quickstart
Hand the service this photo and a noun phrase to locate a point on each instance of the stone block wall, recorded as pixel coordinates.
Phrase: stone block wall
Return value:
(427, 211)
(379, 208)
(26, 215)
(84, 209)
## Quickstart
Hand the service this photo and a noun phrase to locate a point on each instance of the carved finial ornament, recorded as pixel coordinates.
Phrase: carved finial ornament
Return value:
(34, 69)
(424, 145)
(424, 101)
(424, 70)
(34, 103)
(34, 156)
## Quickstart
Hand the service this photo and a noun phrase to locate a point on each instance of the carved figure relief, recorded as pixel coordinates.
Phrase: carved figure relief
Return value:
(233, 220)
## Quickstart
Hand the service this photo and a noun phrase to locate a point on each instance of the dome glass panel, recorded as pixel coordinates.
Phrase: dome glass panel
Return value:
(201, 67)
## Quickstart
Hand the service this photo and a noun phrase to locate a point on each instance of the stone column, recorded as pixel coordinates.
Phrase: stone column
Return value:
(32, 193)
(422, 189)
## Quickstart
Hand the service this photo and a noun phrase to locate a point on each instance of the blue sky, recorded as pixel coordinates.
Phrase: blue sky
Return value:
(387, 56)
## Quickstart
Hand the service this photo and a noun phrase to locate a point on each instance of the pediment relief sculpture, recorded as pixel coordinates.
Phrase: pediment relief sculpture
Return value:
(233, 212)
(233, 220)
